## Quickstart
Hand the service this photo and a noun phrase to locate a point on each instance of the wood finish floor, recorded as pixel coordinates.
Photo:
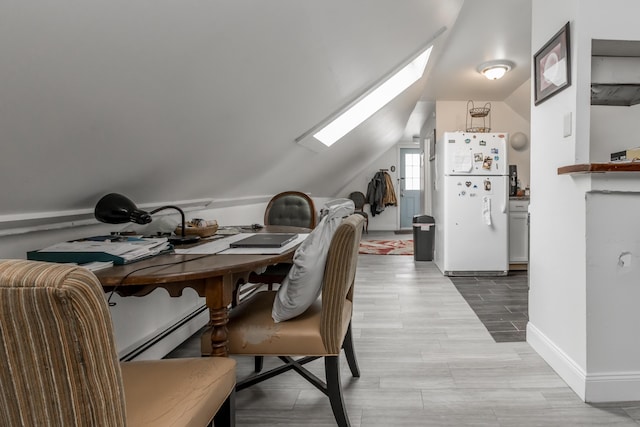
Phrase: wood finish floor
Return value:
(426, 360)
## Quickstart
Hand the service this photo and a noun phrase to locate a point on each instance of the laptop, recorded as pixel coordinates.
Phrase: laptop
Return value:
(265, 240)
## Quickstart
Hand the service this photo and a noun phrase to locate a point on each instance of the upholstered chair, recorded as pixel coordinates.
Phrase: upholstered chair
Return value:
(60, 367)
(321, 331)
(289, 208)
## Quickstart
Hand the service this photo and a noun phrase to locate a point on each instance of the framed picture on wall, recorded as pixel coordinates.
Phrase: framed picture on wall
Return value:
(552, 66)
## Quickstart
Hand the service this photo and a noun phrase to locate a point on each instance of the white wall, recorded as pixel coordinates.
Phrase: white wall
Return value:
(162, 100)
(613, 129)
(452, 116)
(557, 300)
(613, 356)
(613, 291)
(388, 219)
(577, 297)
(520, 100)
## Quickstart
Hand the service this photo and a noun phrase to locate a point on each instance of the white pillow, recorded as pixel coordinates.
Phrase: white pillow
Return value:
(303, 284)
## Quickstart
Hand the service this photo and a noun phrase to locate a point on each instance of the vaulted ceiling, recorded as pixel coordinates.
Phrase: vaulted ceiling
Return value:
(169, 101)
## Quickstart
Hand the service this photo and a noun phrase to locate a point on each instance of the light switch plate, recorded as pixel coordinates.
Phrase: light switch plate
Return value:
(567, 125)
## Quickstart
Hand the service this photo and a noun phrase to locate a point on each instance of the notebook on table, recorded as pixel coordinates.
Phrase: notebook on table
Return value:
(265, 240)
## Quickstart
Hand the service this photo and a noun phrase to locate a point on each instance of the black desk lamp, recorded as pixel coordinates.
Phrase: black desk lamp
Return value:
(117, 209)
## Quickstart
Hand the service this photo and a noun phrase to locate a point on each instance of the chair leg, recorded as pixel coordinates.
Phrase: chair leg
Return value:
(350, 353)
(258, 363)
(334, 390)
(226, 415)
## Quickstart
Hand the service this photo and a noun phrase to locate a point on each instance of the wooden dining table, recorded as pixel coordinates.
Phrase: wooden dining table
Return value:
(213, 276)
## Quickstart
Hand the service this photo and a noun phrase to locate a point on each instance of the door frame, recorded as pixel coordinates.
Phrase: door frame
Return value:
(417, 143)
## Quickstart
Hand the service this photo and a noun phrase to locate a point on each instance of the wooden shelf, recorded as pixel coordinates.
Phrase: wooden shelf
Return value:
(600, 168)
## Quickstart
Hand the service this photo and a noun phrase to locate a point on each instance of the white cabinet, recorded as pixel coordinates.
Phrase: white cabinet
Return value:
(518, 231)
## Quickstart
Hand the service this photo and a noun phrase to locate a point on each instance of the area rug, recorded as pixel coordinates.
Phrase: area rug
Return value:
(386, 247)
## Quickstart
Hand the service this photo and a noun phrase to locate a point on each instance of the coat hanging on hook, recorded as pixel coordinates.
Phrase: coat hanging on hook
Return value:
(380, 192)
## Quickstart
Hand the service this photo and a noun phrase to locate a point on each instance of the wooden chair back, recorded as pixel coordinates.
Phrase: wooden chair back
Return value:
(339, 278)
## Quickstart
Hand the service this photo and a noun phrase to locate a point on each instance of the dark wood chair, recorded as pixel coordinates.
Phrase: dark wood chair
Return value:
(359, 200)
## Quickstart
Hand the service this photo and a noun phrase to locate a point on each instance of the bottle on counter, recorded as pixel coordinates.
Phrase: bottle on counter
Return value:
(519, 191)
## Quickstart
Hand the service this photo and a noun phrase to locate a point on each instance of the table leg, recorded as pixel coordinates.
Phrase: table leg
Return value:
(218, 296)
(218, 319)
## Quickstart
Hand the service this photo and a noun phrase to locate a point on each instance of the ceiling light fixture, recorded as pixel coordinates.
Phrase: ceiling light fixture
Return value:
(494, 70)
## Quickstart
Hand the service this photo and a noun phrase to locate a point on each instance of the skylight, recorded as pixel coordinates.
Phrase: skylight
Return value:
(373, 101)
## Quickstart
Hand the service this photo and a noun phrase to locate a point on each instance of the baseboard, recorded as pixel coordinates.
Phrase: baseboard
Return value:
(403, 231)
(161, 342)
(590, 387)
(613, 387)
(565, 366)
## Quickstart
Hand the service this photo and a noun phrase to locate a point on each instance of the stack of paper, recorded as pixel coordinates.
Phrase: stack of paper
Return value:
(97, 265)
(120, 252)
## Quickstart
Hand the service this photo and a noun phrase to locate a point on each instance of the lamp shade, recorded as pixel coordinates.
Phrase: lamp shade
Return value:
(117, 209)
(519, 141)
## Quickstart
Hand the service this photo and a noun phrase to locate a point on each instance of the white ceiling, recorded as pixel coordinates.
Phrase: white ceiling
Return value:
(485, 30)
(169, 101)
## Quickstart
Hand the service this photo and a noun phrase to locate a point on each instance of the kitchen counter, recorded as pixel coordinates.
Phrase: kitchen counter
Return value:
(519, 197)
(625, 166)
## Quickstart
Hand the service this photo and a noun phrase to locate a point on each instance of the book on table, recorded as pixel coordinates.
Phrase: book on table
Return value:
(265, 240)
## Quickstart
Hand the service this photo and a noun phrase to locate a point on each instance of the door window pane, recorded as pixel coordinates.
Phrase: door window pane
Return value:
(412, 171)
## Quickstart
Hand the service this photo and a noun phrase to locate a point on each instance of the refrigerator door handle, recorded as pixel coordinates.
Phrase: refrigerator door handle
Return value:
(505, 196)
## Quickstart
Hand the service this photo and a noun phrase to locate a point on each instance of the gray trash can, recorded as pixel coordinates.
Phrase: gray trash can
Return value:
(423, 237)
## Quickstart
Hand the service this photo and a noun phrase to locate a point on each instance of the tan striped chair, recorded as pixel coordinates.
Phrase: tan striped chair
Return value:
(59, 366)
(321, 331)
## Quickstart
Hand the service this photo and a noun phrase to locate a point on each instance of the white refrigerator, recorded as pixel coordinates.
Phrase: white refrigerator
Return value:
(471, 204)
